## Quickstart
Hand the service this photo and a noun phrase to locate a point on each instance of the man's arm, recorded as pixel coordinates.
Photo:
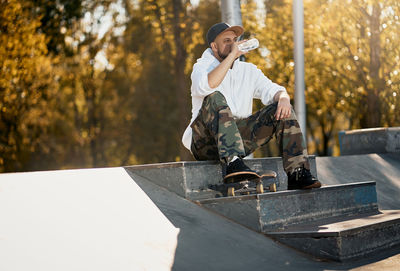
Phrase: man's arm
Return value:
(216, 76)
(284, 108)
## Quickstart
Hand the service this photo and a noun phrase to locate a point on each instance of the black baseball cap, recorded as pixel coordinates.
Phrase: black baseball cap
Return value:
(218, 28)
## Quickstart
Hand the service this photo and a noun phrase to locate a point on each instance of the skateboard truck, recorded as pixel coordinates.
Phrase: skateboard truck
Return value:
(240, 183)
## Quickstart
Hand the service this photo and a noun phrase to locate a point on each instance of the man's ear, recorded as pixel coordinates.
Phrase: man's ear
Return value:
(213, 46)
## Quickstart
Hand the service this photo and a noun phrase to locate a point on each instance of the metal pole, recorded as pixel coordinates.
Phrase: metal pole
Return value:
(299, 97)
(231, 13)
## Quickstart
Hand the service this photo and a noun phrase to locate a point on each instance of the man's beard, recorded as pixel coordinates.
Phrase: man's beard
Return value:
(221, 54)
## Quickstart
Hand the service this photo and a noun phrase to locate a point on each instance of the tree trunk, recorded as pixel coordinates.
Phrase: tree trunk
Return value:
(182, 90)
(373, 103)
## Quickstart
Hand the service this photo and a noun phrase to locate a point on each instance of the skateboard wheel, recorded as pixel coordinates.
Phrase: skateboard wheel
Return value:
(260, 188)
(231, 191)
(272, 187)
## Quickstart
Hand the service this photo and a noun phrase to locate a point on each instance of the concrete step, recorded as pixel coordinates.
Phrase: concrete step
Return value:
(338, 222)
(382, 168)
(191, 180)
(372, 140)
(344, 238)
(271, 211)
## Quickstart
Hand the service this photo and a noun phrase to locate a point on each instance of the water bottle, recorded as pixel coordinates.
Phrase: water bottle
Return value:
(249, 45)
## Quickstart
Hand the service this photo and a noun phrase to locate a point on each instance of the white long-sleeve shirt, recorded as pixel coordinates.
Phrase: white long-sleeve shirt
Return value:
(242, 83)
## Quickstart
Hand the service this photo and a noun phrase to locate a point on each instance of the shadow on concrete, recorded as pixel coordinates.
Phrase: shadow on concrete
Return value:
(208, 241)
(384, 169)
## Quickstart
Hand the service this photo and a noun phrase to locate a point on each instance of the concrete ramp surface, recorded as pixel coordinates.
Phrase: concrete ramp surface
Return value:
(384, 169)
(105, 219)
(92, 219)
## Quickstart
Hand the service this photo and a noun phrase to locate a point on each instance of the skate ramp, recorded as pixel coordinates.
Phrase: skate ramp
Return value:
(105, 219)
(209, 241)
(91, 219)
(384, 169)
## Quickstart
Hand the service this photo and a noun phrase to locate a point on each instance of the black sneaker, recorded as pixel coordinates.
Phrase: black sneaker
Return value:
(301, 178)
(238, 166)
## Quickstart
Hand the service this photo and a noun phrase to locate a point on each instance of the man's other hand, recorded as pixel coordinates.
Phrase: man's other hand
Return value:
(284, 108)
(235, 49)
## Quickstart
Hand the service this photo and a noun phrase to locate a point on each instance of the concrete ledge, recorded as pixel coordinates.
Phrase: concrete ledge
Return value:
(382, 168)
(192, 179)
(344, 238)
(375, 140)
(271, 211)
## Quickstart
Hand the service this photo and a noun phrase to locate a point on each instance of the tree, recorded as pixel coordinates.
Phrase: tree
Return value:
(26, 86)
(166, 36)
(353, 64)
(351, 61)
(56, 17)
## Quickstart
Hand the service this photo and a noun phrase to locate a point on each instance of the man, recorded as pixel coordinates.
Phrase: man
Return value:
(223, 126)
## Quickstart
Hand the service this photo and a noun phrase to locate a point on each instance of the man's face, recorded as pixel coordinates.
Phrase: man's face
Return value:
(222, 44)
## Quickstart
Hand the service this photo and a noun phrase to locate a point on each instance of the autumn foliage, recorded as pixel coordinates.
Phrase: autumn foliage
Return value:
(107, 83)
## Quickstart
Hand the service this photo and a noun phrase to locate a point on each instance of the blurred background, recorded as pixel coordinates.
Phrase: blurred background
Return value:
(107, 83)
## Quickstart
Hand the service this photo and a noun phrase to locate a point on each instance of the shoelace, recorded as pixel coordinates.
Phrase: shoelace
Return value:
(301, 172)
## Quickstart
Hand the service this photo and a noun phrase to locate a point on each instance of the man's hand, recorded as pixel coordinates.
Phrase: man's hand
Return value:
(216, 76)
(235, 49)
(284, 108)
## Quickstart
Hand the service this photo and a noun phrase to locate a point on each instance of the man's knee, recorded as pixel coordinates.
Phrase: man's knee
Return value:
(266, 114)
(216, 100)
(271, 110)
(292, 115)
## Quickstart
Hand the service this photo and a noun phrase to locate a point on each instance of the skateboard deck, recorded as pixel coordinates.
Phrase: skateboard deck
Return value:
(247, 175)
(240, 183)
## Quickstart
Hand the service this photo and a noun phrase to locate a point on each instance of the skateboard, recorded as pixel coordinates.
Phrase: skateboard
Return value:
(245, 183)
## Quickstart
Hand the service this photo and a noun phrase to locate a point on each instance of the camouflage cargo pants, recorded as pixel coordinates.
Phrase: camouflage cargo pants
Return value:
(218, 136)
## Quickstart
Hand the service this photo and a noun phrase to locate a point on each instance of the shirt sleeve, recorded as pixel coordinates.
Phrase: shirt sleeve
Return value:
(200, 86)
(265, 89)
